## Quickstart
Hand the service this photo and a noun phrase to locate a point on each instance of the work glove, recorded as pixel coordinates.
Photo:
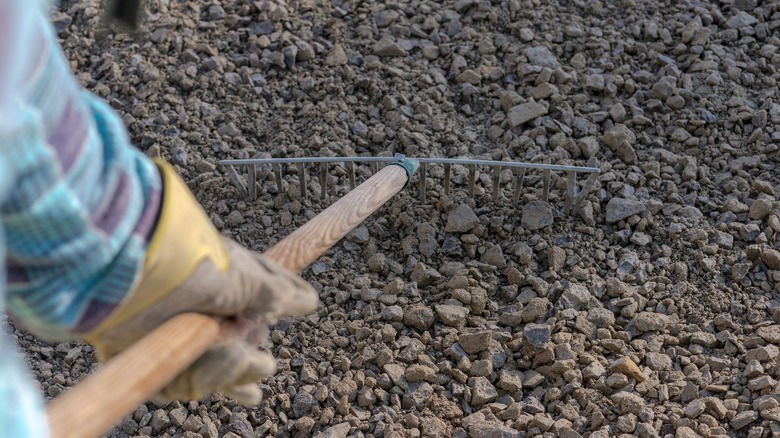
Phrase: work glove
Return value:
(190, 267)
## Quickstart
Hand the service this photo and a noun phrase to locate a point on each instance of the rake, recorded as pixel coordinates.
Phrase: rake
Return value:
(573, 198)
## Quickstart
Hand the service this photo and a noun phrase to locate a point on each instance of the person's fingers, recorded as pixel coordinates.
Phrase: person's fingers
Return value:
(246, 395)
(259, 366)
(287, 294)
(233, 369)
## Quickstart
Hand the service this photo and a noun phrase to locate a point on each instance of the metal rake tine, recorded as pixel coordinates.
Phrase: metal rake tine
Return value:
(302, 179)
(472, 178)
(447, 178)
(233, 175)
(546, 183)
(278, 176)
(583, 194)
(423, 169)
(351, 174)
(496, 175)
(571, 191)
(519, 177)
(323, 181)
(252, 182)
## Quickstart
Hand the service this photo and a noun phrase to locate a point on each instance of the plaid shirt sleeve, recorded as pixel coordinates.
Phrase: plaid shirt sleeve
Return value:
(77, 202)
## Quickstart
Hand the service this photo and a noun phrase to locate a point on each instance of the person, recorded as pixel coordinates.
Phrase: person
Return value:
(103, 244)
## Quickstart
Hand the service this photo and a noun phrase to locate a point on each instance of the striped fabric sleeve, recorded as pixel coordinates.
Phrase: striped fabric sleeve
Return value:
(77, 204)
(83, 203)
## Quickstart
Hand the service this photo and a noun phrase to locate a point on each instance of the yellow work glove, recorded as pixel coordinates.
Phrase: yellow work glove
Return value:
(190, 267)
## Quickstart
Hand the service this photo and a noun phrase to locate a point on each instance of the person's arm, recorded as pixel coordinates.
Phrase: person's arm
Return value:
(105, 245)
(20, 406)
(84, 201)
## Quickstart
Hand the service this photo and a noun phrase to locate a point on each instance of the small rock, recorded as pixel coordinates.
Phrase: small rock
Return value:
(760, 209)
(424, 275)
(419, 373)
(621, 140)
(537, 335)
(452, 316)
(336, 56)
(386, 18)
(510, 380)
(694, 408)
(556, 258)
(305, 425)
(771, 258)
(704, 339)
(627, 366)
(482, 391)
(494, 256)
(686, 432)
(216, 12)
(388, 48)
(475, 342)
(469, 76)
(770, 333)
(303, 404)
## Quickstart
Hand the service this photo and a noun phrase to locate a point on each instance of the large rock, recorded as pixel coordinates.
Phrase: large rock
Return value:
(576, 296)
(541, 56)
(771, 258)
(741, 19)
(461, 219)
(650, 321)
(510, 380)
(424, 275)
(338, 431)
(336, 56)
(525, 112)
(492, 429)
(658, 361)
(537, 335)
(417, 395)
(482, 391)
(621, 140)
(386, 47)
(536, 215)
(419, 316)
(475, 342)
(622, 208)
(628, 403)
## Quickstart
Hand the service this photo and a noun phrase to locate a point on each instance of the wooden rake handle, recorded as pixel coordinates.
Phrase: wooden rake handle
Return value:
(93, 406)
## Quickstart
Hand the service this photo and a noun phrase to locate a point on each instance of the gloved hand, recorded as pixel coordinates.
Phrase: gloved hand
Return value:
(190, 267)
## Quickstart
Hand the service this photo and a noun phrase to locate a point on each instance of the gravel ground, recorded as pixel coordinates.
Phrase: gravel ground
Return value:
(652, 311)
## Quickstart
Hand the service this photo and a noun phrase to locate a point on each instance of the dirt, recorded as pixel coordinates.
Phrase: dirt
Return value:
(653, 310)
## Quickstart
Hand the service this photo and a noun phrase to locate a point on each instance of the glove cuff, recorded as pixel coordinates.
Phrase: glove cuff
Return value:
(183, 238)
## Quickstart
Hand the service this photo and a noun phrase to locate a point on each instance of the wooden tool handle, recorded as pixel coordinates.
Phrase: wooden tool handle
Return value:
(94, 405)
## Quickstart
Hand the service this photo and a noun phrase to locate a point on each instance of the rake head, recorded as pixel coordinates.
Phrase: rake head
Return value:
(573, 197)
